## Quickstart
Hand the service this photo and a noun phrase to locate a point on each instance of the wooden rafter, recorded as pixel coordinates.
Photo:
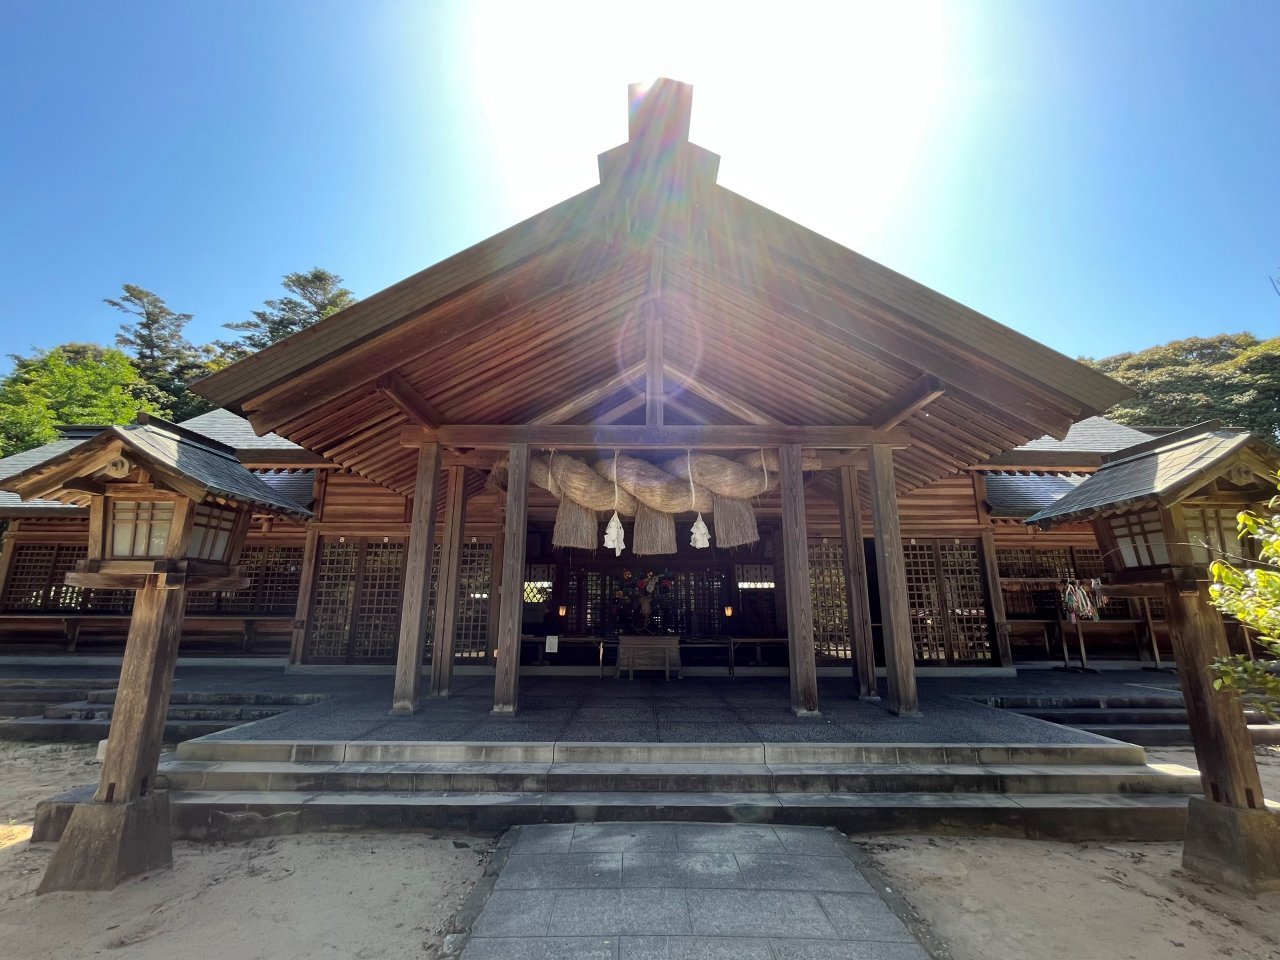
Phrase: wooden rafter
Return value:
(592, 436)
(567, 410)
(403, 397)
(627, 406)
(726, 402)
(912, 399)
(654, 387)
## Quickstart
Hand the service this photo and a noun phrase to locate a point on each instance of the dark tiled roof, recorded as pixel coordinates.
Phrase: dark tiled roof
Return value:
(1160, 469)
(225, 427)
(1016, 495)
(165, 446)
(1093, 435)
(11, 503)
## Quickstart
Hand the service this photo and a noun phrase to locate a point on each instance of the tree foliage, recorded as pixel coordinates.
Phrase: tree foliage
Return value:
(163, 356)
(75, 383)
(1232, 377)
(1252, 595)
(313, 296)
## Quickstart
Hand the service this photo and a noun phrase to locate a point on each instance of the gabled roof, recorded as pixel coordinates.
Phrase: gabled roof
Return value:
(235, 432)
(168, 451)
(11, 503)
(1091, 435)
(1161, 471)
(760, 321)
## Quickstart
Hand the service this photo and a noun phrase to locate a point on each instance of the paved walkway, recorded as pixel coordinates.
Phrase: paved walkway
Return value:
(684, 891)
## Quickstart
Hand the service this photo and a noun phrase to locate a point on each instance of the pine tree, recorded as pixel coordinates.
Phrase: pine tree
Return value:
(313, 296)
(163, 356)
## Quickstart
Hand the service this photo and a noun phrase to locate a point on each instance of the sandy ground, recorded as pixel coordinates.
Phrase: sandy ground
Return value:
(1025, 900)
(385, 895)
(314, 896)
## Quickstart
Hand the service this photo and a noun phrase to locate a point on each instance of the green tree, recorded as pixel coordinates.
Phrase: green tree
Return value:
(313, 296)
(1232, 377)
(1252, 595)
(164, 358)
(75, 383)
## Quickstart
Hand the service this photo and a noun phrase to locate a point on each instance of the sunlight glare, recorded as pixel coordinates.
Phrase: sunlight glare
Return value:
(822, 111)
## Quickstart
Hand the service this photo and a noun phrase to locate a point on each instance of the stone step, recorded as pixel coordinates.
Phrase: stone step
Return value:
(1173, 735)
(91, 731)
(230, 714)
(1171, 700)
(1102, 751)
(224, 698)
(658, 778)
(1099, 718)
(208, 815)
(40, 694)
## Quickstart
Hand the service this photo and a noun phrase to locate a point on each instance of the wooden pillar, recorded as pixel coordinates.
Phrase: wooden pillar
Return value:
(1224, 750)
(895, 614)
(856, 589)
(445, 623)
(999, 619)
(306, 588)
(142, 695)
(795, 548)
(417, 582)
(506, 680)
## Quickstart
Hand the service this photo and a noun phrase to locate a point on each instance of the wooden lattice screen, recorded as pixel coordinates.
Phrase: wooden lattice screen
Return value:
(1031, 580)
(950, 616)
(830, 607)
(475, 582)
(273, 572)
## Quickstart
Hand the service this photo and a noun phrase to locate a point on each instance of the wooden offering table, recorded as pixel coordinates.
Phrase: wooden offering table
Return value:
(641, 652)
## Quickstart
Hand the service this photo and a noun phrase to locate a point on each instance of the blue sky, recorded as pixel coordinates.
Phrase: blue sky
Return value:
(1100, 176)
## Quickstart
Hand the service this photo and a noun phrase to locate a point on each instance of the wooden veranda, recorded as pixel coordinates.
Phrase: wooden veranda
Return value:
(654, 314)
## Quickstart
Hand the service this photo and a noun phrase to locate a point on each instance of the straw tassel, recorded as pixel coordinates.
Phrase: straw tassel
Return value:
(699, 535)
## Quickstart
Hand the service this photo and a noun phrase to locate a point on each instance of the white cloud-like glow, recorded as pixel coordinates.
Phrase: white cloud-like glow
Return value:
(822, 111)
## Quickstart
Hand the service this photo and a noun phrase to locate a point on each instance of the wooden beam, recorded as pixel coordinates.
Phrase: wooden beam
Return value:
(306, 580)
(856, 590)
(795, 548)
(999, 619)
(592, 437)
(913, 398)
(445, 622)
(404, 398)
(581, 402)
(726, 402)
(417, 582)
(630, 405)
(1224, 749)
(654, 386)
(506, 680)
(895, 614)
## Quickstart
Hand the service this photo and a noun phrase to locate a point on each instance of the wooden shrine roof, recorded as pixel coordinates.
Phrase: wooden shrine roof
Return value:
(1162, 472)
(174, 455)
(758, 321)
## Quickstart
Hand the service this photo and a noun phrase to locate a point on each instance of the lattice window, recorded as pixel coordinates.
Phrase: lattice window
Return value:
(36, 577)
(966, 602)
(1019, 562)
(928, 629)
(1140, 539)
(107, 601)
(329, 619)
(830, 606)
(696, 606)
(375, 624)
(475, 583)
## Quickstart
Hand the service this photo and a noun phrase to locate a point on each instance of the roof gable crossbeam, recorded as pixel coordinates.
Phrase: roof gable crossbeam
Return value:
(593, 436)
(910, 401)
(404, 398)
(570, 408)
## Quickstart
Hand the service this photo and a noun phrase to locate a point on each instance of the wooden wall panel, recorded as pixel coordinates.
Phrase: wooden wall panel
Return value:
(349, 498)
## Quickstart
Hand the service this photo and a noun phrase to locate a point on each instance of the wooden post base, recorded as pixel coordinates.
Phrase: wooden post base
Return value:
(107, 843)
(1233, 846)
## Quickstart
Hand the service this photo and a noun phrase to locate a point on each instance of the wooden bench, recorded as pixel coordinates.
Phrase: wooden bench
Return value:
(642, 652)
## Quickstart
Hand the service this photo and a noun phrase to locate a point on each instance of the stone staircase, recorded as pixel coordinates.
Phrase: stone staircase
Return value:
(222, 789)
(84, 715)
(1148, 720)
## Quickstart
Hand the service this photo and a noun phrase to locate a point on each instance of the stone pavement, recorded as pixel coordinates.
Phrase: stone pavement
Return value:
(684, 891)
